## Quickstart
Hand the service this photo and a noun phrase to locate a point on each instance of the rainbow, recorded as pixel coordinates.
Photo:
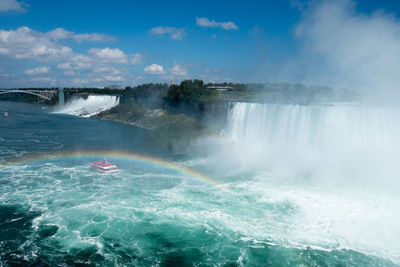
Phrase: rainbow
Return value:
(83, 154)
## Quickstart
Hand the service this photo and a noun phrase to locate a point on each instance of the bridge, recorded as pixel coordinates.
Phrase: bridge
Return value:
(45, 94)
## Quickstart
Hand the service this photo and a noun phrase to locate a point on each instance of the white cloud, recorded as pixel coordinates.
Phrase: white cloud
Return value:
(81, 62)
(93, 37)
(25, 43)
(39, 70)
(46, 80)
(82, 65)
(205, 22)
(136, 59)
(77, 62)
(81, 58)
(3, 51)
(110, 55)
(70, 73)
(80, 81)
(154, 69)
(66, 65)
(111, 78)
(178, 70)
(173, 32)
(97, 80)
(41, 79)
(7, 5)
(103, 69)
(60, 33)
(349, 49)
(110, 70)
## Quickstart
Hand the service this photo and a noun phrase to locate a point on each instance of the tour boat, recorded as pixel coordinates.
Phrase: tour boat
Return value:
(104, 166)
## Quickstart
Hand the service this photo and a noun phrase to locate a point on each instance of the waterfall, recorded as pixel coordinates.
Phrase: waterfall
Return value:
(317, 126)
(334, 143)
(93, 105)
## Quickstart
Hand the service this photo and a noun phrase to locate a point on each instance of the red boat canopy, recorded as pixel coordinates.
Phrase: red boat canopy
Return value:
(102, 163)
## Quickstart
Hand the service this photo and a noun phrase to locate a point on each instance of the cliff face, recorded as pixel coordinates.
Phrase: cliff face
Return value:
(173, 132)
(133, 114)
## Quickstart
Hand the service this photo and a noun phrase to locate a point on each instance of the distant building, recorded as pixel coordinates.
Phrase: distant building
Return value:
(115, 86)
(100, 87)
(171, 83)
(220, 88)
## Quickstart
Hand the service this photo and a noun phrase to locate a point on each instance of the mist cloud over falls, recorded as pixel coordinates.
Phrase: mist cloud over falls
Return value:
(344, 48)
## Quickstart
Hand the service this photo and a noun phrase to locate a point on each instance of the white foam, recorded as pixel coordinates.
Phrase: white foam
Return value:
(93, 105)
(261, 208)
(292, 215)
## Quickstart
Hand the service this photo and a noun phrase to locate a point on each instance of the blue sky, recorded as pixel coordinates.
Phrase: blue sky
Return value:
(98, 43)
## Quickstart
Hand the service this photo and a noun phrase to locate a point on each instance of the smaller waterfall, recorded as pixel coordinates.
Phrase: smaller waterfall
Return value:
(93, 105)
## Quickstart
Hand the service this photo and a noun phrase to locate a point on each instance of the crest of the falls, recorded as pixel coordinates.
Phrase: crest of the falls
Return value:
(316, 126)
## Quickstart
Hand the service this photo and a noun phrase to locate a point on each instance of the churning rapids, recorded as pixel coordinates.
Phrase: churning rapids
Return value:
(294, 185)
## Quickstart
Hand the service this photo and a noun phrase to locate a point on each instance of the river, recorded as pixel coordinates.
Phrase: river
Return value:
(161, 210)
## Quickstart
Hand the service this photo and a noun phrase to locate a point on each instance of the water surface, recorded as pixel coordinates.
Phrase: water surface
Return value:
(60, 212)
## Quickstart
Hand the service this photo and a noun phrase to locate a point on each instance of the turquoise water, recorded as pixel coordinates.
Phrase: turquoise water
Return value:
(60, 212)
